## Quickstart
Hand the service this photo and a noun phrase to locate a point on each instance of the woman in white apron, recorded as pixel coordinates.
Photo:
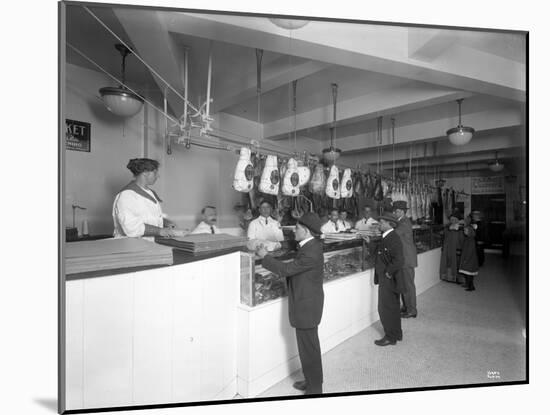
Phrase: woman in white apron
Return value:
(136, 209)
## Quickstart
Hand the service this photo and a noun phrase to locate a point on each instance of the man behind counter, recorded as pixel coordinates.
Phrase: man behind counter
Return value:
(368, 220)
(265, 229)
(334, 223)
(209, 219)
(304, 276)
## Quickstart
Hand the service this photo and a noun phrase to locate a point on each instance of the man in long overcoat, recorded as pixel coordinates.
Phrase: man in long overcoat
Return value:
(388, 274)
(405, 232)
(304, 277)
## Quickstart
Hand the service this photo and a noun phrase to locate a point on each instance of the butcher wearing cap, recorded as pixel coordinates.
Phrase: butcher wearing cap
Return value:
(405, 232)
(304, 277)
(266, 229)
(388, 274)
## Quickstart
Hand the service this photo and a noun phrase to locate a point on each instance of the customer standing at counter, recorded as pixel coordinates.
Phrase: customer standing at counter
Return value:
(469, 265)
(136, 209)
(452, 241)
(334, 224)
(405, 232)
(265, 228)
(209, 219)
(304, 276)
(388, 274)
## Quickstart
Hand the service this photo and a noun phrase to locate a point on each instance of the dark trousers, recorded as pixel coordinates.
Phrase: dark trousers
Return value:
(309, 350)
(388, 309)
(469, 281)
(409, 298)
(480, 254)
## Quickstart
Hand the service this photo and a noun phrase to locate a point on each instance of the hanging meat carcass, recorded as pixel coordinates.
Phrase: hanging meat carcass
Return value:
(347, 185)
(304, 174)
(378, 192)
(412, 205)
(291, 180)
(270, 179)
(317, 183)
(370, 186)
(243, 179)
(332, 188)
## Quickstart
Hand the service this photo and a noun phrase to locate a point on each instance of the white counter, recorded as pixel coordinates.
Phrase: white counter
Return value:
(179, 333)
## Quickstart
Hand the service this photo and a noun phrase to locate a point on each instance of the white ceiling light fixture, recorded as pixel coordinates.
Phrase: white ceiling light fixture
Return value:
(331, 154)
(120, 100)
(496, 165)
(460, 135)
(289, 24)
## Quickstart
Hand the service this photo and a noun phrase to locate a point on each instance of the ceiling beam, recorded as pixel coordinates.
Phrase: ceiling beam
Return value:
(275, 74)
(484, 144)
(381, 49)
(155, 46)
(431, 130)
(427, 45)
(379, 103)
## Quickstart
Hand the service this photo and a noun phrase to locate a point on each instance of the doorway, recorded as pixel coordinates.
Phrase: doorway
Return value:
(493, 211)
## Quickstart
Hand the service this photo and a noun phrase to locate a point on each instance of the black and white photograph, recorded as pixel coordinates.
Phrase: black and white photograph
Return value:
(279, 207)
(269, 208)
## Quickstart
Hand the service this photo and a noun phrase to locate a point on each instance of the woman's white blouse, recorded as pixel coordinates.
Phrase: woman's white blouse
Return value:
(131, 212)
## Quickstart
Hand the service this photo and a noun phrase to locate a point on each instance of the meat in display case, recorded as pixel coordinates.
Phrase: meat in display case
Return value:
(259, 285)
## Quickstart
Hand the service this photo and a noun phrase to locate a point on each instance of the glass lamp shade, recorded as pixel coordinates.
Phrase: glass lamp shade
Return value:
(331, 154)
(120, 101)
(496, 166)
(289, 24)
(460, 135)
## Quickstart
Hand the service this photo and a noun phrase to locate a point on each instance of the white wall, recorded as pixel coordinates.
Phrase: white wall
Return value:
(93, 179)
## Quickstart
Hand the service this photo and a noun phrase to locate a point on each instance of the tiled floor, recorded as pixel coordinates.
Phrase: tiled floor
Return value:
(459, 337)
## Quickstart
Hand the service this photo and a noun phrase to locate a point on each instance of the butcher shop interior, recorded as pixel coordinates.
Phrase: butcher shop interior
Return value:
(244, 126)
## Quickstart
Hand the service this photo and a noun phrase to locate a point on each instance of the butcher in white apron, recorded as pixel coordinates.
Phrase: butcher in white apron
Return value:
(209, 219)
(265, 230)
(367, 222)
(334, 224)
(136, 209)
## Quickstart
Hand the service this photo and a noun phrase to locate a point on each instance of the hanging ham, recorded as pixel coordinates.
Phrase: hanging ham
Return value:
(269, 183)
(291, 181)
(347, 185)
(332, 188)
(243, 180)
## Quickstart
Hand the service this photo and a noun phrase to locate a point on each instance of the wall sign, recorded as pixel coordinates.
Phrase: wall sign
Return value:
(77, 135)
(487, 185)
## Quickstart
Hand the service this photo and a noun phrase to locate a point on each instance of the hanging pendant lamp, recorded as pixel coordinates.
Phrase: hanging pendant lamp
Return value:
(332, 153)
(496, 165)
(120, 100)
(289, 24)
(460, 135)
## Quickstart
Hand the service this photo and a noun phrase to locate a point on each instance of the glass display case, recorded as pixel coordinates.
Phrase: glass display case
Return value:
(341, 259)
(259, 285)
(427, 237)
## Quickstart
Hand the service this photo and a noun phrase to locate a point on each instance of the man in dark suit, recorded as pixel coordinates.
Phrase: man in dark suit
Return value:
(388, 274)
(304, 277)
(405, 232)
